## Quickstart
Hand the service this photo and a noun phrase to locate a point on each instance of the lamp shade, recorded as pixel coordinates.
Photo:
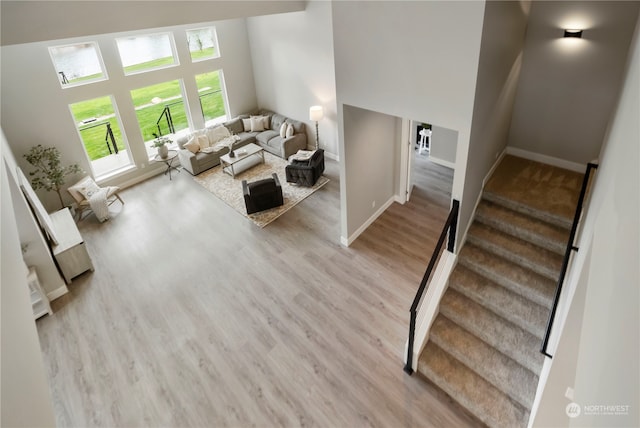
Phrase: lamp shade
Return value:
(316, 113)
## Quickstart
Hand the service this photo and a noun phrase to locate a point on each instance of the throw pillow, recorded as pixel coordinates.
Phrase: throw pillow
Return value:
(246, 124)
(283, 130)
(216, 134)
(290, 130)
(203, 141)
(257, 124)
(88, 189)
(192, 145)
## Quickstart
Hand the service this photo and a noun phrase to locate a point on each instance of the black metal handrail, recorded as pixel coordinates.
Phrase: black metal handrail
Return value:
(449, 227)
(567, 256)
(166, 113)
(107, 137)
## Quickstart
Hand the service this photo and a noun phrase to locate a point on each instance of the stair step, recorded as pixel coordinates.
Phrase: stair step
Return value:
(516, 250)
(541, 233)
(470, 390)
(511, 378)
(545, 216)
(513, 307)
(522, 281)
(506, 337)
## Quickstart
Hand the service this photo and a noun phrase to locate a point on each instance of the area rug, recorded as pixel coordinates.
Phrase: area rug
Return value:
(229, 189)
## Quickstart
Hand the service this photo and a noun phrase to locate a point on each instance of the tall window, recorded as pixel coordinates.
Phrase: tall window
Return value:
(211, 96)
(203, 43)
(160, 110)
(148, 52)
(100, 131)
(78, 64)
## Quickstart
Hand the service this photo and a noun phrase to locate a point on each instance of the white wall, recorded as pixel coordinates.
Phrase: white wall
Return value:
(567, 89)
(35, 108)
(411, 60)
(35, 21)
(372, 146)
(503, 33)
(604, 348)
(37, 252)
(293, 67)
(443, 144)
(25, 399)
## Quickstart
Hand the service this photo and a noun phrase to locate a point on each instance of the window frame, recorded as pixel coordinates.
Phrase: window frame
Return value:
(172, 46)
(96, 47)
(214, 39)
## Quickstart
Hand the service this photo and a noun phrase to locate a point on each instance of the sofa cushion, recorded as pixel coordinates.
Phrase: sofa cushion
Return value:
(257, 123)
(290, 131)
(276, 142)
(246, 124)
(192, 145)
(216, 134)
(265, 136)
(234, 126)
(276, 121)
(283, 130)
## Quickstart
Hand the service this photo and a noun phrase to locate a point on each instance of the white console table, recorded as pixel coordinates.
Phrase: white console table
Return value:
(70, 252)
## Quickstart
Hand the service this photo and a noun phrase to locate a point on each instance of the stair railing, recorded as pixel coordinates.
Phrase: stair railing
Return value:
(567, 255)
(449, 228)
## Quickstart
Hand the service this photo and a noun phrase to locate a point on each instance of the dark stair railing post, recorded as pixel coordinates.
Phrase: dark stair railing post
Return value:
(450, 227)
(166, 113)
(109, 136)
(565, 261)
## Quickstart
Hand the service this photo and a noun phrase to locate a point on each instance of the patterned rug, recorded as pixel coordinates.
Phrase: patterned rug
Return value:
(229, 189)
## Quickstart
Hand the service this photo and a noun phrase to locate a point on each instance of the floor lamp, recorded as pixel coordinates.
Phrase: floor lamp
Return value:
(316, 113)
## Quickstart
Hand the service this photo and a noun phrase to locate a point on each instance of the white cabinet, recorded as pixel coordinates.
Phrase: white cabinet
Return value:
(70, 252)
(39, 301)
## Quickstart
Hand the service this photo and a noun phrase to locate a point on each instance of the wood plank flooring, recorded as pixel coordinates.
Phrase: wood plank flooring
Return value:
(196, 317)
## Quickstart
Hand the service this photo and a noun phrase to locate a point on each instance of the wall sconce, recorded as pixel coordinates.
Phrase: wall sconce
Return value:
(573, 33)
(316, 113)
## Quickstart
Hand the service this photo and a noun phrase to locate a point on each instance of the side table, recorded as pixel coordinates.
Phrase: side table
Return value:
(168, 161)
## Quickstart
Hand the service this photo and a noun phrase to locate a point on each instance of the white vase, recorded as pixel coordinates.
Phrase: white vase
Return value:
(163, 151)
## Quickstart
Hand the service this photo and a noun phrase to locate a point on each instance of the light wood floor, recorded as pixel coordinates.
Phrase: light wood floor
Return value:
(196, 317)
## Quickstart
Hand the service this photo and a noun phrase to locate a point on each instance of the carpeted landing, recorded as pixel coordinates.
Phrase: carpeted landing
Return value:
(483, 348)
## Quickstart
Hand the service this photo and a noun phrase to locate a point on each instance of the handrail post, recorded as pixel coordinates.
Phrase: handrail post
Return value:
(565, 261)
(408, 367)
(454, 226)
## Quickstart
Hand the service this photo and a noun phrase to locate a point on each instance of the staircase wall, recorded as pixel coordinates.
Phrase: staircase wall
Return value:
(605, 358)
(503, 34)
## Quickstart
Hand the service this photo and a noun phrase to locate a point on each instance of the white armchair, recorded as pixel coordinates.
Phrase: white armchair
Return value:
(82, 191)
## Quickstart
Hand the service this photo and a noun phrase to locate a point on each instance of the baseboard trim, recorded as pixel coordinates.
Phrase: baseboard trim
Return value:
(332, 156)
(549, 160)
(151, 173)
(486, 178)
(442, 162)
(58, 292)
(348, 241)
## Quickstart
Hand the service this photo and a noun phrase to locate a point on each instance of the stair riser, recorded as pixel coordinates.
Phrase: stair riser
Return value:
(540, 215)
(525, 400)
(502, 311)
(524, 234)
(528, 293)
(493, 341)
(514, 258)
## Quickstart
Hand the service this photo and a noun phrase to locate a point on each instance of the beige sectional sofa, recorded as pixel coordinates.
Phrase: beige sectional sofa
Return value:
(266, 132)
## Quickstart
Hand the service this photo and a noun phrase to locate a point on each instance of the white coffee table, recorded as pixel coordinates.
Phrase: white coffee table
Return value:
(245, 157)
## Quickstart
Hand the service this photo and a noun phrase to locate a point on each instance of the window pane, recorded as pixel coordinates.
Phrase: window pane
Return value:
(101, 135)
(203, 43)
(77, 64)
(211, 97)
(160, 110)
(143, 53)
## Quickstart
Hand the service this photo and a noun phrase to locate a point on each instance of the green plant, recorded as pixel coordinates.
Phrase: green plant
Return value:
(160, 140)
(49, 174)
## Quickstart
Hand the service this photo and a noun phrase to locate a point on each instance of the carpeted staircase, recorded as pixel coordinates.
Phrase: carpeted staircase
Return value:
(483, 348)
